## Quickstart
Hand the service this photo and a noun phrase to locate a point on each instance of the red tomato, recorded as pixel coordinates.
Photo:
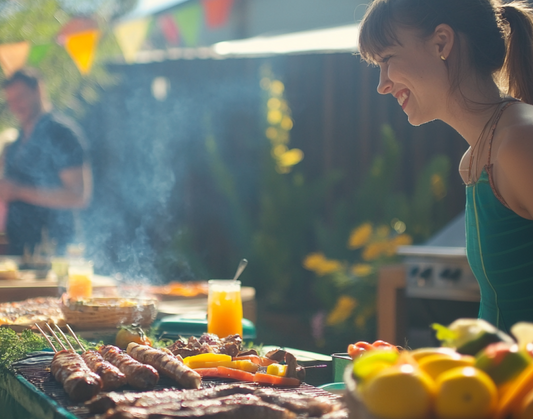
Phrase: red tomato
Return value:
(381, 344)
(358, 348)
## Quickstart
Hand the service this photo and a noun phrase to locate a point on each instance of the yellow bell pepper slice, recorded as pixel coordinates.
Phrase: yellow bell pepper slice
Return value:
(277, 369)
(206, 360)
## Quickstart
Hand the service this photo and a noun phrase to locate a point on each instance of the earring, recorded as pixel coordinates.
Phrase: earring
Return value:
(443, 58)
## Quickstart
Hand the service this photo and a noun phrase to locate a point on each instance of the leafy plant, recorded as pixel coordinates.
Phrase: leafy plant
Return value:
(384, 218)
(14, 346)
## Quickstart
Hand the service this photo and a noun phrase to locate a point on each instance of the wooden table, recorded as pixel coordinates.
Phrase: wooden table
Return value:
(30, 287)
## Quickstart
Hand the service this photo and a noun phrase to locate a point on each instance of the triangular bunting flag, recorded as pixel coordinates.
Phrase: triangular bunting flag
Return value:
(216, 12)
(13, 56)
(81, 47)
(37, 53)
(73, 26)
(169, 29)
(130, 37)
(189, 20)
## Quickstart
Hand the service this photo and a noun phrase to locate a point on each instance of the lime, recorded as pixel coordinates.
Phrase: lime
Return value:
(372, 362)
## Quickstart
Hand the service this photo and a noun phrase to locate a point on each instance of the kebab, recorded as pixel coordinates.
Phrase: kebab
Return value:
(140, 376)
(69, 368)
(112, 377)
(166, 364)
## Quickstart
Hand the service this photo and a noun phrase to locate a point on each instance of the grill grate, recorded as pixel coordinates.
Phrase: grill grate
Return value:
(36, 370)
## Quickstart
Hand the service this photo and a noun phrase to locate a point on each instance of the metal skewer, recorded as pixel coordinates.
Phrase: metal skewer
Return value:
(75, 337)
(56, 337)
(46, 337)
(65, 337)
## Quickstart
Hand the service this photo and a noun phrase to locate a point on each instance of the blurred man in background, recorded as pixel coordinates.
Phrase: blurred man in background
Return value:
(46, 170)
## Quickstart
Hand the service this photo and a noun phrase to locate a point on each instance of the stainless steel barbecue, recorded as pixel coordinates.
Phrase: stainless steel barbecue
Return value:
(439, 268)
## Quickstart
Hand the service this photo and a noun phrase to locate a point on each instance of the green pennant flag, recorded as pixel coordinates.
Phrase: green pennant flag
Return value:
(189, 19)
(37, 53)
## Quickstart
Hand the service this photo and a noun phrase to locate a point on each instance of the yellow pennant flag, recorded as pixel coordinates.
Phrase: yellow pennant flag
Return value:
(13, 56)
(81, 47)
(130, 37)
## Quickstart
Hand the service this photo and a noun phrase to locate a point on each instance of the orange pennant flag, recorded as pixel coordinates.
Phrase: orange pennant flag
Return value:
(13, 56)
(81, 48)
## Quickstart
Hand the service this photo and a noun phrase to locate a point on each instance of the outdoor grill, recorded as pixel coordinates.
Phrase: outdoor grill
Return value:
(439, 268)
(40, 387)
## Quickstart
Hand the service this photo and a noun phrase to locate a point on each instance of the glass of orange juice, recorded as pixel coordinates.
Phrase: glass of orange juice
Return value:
(224, 307)
(80, 279)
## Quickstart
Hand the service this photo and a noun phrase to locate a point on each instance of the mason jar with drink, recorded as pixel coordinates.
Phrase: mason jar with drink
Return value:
(224, 308)
(80, 279)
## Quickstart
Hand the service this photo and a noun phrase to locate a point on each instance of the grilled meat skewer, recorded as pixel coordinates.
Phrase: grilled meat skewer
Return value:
(79, 382)
(139, 375)
(165, 363)
(112, 377)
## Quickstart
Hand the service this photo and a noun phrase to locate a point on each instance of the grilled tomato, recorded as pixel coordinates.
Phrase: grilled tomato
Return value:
(133, 333)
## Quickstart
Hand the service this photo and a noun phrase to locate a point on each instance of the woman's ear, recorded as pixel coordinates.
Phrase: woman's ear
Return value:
(443, 39)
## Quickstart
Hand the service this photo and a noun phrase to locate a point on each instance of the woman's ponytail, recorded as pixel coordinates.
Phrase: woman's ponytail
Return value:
(516, 75)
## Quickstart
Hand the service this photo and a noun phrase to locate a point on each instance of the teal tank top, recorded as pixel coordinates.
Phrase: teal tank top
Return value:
(499, 246)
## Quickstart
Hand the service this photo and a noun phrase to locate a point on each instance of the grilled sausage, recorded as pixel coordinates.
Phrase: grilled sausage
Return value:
(79, 382)
(111, 376)
(166, 364)
(140, 376)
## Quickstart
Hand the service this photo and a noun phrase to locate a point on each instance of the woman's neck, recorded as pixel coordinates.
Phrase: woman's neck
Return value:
(470, 108)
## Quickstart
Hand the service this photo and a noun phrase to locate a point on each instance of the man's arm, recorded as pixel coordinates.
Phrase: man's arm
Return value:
(75, 192)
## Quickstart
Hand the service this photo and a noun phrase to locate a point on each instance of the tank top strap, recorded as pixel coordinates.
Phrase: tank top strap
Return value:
(503, 107)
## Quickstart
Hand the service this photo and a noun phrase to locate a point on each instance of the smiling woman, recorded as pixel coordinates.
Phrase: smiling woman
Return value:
(468, 63)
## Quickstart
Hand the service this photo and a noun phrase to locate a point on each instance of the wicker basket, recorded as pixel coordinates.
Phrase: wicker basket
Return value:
(99, 313)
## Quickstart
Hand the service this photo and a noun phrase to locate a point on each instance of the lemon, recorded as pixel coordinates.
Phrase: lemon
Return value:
(465, 393)
(399, 392)
(436, 364)
(420, 353)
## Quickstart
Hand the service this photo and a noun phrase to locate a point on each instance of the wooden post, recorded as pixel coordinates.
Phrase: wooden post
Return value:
(390, 313)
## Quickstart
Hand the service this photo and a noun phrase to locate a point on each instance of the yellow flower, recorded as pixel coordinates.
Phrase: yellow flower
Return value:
(328, 266)
(274, 117)
(342, 310)
(274, 103)
(291, 157)
(360, 236)
(286, 123)
(374, 250)
(362, 269)
(313, 260)
(279, 150)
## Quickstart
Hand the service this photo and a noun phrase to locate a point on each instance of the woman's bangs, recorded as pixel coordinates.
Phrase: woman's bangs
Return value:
(377, 32)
